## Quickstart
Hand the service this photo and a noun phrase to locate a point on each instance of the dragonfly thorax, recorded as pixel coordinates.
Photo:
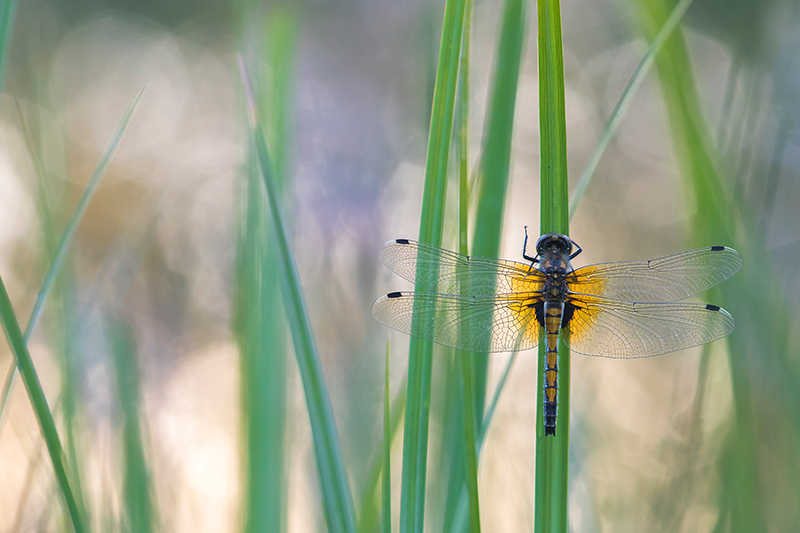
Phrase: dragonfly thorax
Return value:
(553, 245)
(554, 254)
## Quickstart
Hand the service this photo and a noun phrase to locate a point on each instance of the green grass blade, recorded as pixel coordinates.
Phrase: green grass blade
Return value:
(491, 196)
(497, 152)
(624, 100)
(39, 402)
(415, 437)
(260, 316)
(69, 235)
(470, 437)
(465, 360)
(552, 453)
(336, 497)
(137, 485)
(386, 479)
(368, 515)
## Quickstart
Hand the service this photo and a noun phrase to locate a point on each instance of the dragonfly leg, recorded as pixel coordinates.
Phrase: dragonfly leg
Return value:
(576, 253)
(525, 255)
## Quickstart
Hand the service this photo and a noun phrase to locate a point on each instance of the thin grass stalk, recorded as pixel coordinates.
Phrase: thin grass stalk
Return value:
(39, 401)
(460, 518)
(415, 439)
(552, 452)
(386, 479)
(624, 100)
(66, 241)
(334, 485)
(470, 437)
(370, 497)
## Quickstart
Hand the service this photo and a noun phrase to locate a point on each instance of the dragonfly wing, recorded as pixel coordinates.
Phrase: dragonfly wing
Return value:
(666, 279)
(433, 269)
(479, 323)
(624, 330)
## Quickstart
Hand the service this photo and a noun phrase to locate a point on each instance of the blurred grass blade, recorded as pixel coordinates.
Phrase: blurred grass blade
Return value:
(624, 100)
(7, 16)
(420, 363)
(39, 402)
(552, 452)
(460, 519)
(80, 210)
(260, 321)
(137, 492)
(386, 484)
(334, 486)
(66, 240)
(758, 308)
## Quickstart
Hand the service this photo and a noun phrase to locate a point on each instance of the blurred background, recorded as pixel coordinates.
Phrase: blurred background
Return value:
(171, 376)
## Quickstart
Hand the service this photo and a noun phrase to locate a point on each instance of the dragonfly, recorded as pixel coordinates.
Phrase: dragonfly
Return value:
(620, 310)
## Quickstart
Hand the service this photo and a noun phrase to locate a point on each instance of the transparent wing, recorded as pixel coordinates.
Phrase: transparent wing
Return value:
(624, 330)
(433, 269)
(477, 324)
(666, 279)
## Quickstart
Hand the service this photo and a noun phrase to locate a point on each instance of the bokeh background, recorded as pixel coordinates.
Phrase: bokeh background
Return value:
(145, 350)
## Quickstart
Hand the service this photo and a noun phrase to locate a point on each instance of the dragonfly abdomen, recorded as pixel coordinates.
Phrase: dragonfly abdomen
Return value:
(553, 312)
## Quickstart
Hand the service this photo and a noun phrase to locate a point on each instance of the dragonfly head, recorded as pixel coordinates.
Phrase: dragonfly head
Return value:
(553, 244)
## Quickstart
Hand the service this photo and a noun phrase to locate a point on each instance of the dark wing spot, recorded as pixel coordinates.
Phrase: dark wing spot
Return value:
(401, 241)
(711, 307)
(717, 248)
(538, 307)
(569, 310)
(394, 295)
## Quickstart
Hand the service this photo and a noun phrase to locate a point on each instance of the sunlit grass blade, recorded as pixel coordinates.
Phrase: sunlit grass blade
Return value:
(334, 485)
(415, 437)
(552, 452)
(40, 407)
(624, 100)
(68, 236)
